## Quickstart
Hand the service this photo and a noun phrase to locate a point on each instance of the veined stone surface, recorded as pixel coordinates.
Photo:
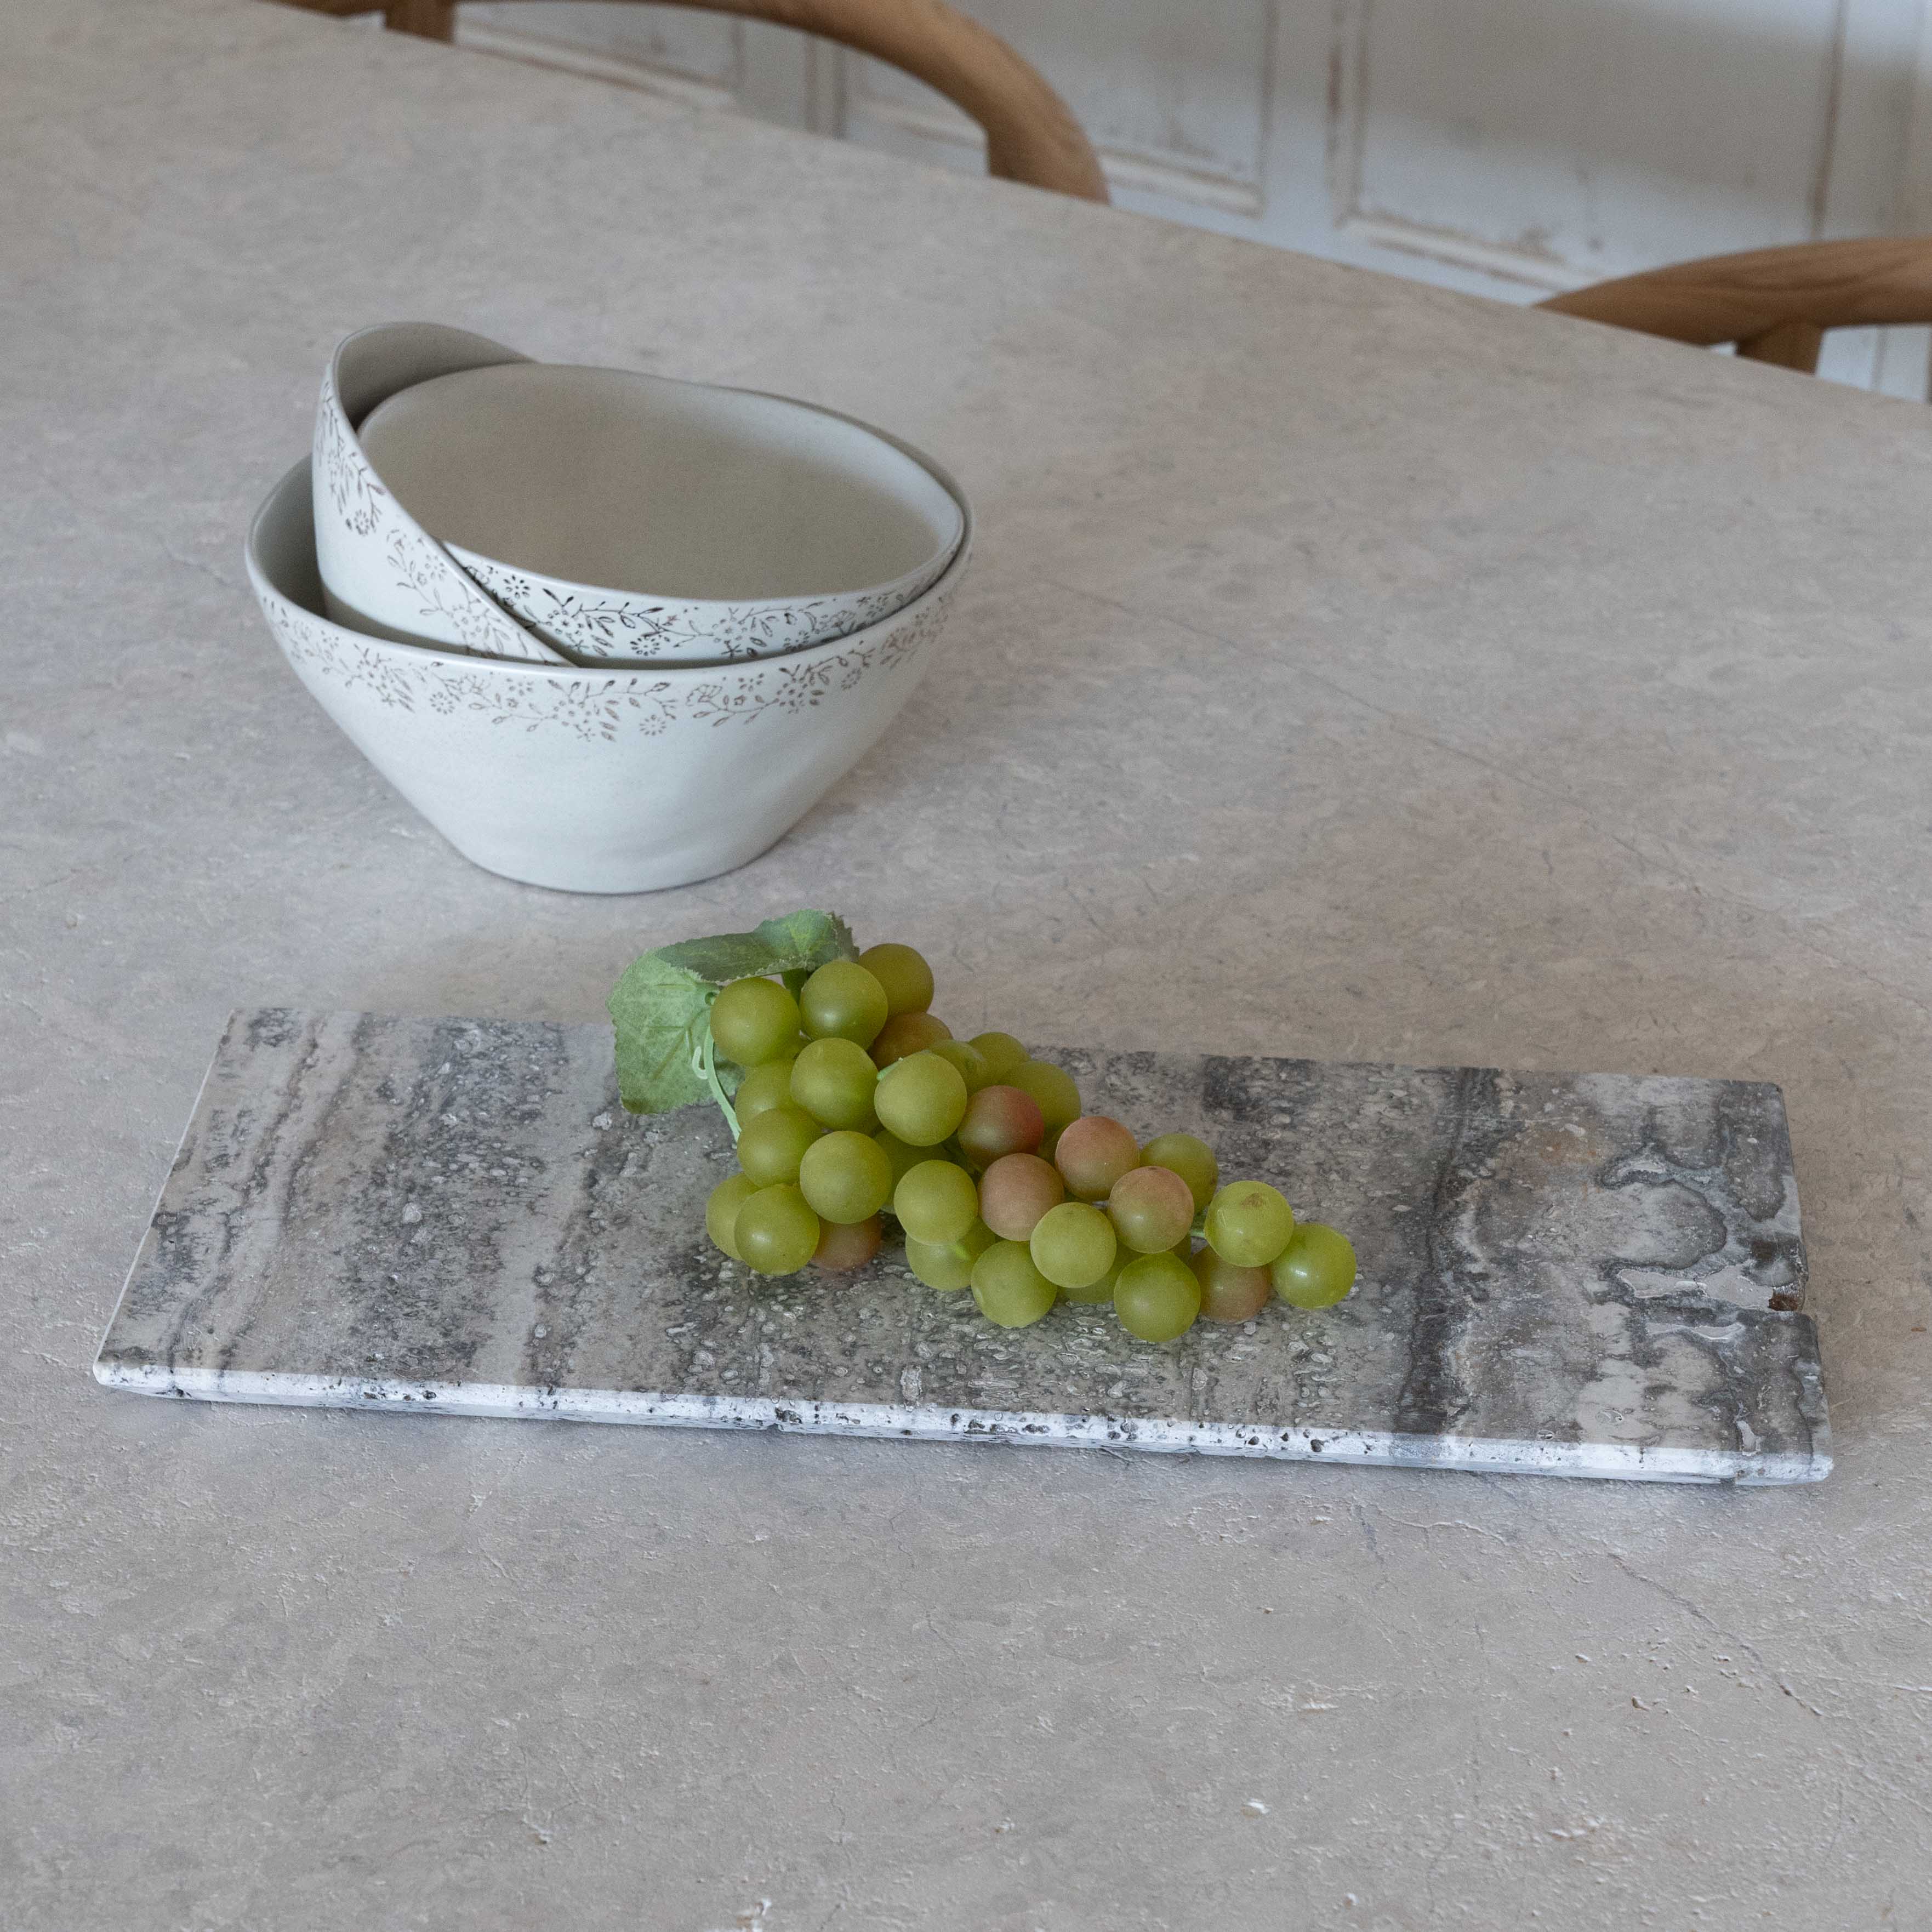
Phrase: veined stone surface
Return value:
(1569, 1274)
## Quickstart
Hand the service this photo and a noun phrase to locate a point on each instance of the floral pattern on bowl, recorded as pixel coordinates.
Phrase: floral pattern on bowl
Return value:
(589, 624)
(382, 573)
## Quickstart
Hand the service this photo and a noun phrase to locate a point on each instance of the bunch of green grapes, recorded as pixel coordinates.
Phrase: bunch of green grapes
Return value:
(858, 1103)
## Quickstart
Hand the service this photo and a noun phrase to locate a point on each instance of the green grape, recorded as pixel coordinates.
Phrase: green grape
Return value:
(771, 1144)
(842, 1248)
(1317, 1269)
(753, 1020)
(973, 1069)
(767, 1086)
(1103, 1290)
(1157, 1297)
(1073, 1245)
(1151, 1208)
(720, 1211)
(921, 1100)
(1193, 1160)
(904, 975)
(1248, 1223)
(903, 1159)
(1093, 1153)
(1053, 1091)
(841, 1001)
(1008, 1288)
(1014, 1192)
(949, 1268)
(834, 1080)
(1001, 1052)
(907, 1033)
(1228, 1293)
(936, 1203)
(845, 1178)
(776, 1231)
(999, 1121)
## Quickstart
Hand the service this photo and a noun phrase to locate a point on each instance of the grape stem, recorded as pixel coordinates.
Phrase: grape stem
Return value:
(704, 1064)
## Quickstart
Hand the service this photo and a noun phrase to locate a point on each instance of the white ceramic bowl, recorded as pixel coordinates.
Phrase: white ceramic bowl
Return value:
(630, 517)
(382, 573)
(593, 781)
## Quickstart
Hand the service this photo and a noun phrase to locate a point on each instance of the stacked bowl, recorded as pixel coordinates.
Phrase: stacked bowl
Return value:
(607, 632)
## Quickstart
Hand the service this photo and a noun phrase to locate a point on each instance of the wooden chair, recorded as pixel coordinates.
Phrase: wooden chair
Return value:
(1775, 304)
(1031, 135)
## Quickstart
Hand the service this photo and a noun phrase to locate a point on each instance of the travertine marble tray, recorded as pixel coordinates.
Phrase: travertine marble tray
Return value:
(1583, 1275)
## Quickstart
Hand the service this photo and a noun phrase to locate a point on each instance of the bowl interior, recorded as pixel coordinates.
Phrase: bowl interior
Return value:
(281, 545)
(643, 485)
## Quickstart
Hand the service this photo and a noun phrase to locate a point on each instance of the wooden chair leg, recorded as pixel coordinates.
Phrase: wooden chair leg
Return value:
(429, 20)
(1791, 345)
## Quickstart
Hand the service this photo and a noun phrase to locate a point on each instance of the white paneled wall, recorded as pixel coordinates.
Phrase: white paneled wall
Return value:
(1508, 147)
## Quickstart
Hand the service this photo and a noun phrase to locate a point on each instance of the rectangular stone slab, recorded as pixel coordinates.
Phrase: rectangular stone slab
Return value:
(1580, 1275)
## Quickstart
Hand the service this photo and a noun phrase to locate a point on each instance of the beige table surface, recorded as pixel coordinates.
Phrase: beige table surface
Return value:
(1348, 669)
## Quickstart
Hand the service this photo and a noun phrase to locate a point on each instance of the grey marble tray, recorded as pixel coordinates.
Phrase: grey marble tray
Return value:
(1581, 1275)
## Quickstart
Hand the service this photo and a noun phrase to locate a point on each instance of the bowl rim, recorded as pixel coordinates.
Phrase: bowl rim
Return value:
(707, 606)
(934, 560)
(298, 479)
(405, 353)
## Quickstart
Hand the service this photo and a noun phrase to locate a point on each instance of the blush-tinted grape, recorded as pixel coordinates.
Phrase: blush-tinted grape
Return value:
(907, 1033)
(1000, 1121)
(1093, 1153)
(1228, 1293)
(1151, 1208)
(843, 1246)
(1014, 1192)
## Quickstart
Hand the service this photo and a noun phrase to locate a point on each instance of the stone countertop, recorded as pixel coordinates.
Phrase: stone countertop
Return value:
(1349, 670)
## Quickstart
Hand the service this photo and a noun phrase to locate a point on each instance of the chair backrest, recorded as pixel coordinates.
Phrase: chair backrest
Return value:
(1775, 304)
(1031, 135)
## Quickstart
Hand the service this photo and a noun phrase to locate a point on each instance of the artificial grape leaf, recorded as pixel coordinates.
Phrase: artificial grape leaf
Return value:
(804, 941)
(800, 942)
(662, 1013)
(661, 1007)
